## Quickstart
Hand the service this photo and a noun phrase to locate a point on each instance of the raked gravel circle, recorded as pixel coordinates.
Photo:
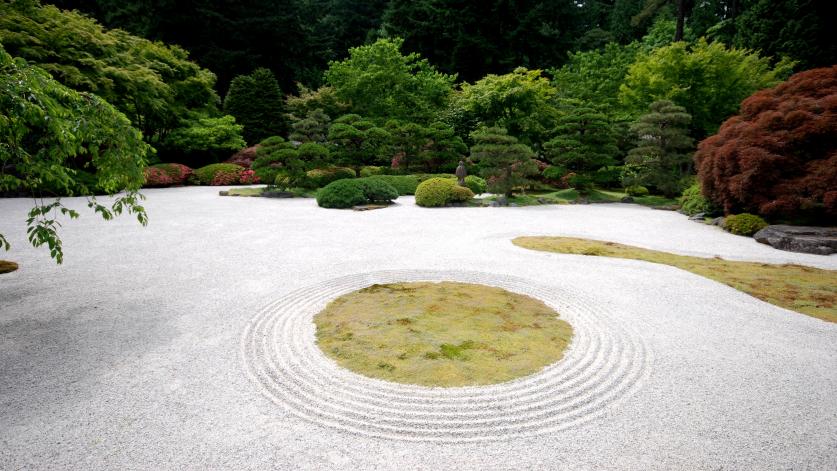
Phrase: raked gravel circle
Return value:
(604, 362)
(188, 344)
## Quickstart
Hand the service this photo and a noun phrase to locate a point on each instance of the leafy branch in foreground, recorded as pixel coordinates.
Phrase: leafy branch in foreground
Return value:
(55, 141)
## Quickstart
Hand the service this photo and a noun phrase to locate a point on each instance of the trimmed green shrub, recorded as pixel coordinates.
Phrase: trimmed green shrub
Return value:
(376, 190)
(745, 224)
(370, 170)
(693, 202)
(434, 192)
(422, 177)
(636, 190)
(460, 194)
(404, 184)
(476, 184)
(205, 175)
(341, 194)
(320, 177)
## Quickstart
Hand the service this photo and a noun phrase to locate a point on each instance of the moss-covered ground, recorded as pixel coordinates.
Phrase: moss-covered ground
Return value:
(441, 334)
(7, 266)
(807, 290)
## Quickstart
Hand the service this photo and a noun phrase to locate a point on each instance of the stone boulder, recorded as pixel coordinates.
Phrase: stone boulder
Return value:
(805, 239)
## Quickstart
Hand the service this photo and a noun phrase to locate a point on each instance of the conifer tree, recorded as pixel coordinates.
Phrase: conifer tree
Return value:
(257, 103)
(662, 157)
(505, 162)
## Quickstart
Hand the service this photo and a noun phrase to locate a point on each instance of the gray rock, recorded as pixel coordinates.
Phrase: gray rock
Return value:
(277, 194)
(805, 239)
(513, 205)
(494, 204)
(717, 222)
(627, 199)
(697, 217)
(502, 200)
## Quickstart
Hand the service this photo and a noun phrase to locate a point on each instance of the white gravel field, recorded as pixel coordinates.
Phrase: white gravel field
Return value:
(188, 344)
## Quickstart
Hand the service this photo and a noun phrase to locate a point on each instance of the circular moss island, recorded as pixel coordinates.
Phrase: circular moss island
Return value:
(441, 334)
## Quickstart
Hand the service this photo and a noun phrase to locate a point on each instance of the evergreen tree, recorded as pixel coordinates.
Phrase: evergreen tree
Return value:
(662, 158)
(312, 128)
(256, 102)
(504, 162)
(358, 142)
(583, 143)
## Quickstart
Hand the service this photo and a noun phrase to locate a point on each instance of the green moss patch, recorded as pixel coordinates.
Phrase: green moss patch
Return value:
(441, 334)
(7, 267)
(807, 290)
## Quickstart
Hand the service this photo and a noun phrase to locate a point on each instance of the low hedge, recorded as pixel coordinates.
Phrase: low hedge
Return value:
(206, 175)
(745, 224)
(636, 190)
(405, 184)
(320, 177)
(348, 192)
(370, 170)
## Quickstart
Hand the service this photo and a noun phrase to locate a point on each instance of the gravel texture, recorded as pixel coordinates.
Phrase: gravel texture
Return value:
(189, 344)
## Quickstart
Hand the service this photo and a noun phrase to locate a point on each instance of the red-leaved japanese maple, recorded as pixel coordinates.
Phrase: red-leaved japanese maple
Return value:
(778, 156)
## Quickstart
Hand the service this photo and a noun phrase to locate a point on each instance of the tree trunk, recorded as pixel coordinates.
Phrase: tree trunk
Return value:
(681, 13)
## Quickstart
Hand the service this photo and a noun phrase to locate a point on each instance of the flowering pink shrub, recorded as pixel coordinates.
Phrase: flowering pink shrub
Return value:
(224, 177)
(157, 177)
(178, 172)
(248, 177)
(244, 157)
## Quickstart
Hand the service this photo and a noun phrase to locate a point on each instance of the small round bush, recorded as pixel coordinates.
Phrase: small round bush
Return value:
(341, 194)
(745, 224)
(636, 190)
(377, 190)
(368, 171)
(320, 177)
(156, 177)
(205, 175)
(476, 184)
(460, 194)
(179, 173)
(693, 202)
(434, 192)
(405, 184)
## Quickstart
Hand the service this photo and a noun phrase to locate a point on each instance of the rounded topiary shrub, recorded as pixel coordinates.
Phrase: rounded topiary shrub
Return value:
(320, 177)
(377, 190)
(475, 184)
(205, 175)
(745, 224)
(404, 184)
(434, 192)
(636, 190)
(460, 194)
(341, 194)
(155, 177)
(179, 173)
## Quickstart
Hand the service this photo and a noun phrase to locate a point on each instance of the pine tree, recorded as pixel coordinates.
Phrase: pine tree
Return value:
(584, 143)
(662, 156)
(257, 103)
(505, 162)
(312, 128)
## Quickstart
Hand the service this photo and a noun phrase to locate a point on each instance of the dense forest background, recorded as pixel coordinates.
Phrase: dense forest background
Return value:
(296, 39)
